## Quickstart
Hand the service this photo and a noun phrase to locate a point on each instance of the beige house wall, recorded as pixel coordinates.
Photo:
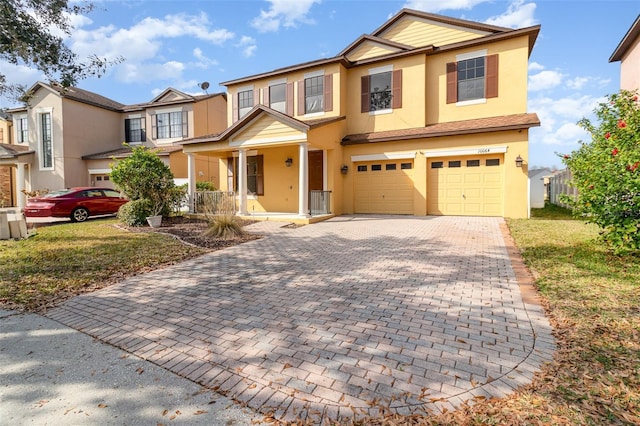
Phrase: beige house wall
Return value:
(630, 68)
(210, 116)
(87, 130)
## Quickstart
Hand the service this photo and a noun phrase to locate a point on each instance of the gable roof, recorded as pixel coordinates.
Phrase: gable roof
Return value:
(477, 26)
(627, 41)
(79, 95)
(486, 34)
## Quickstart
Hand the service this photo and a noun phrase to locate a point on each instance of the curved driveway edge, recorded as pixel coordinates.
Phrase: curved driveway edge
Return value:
(338, 319)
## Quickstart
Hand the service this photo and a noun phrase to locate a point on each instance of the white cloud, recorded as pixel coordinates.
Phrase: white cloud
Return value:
(248, 45)
(286, 13)
(203, 61)
(518, 15)
(545, 80)
(438, 5)
(534, 66)
(578, 83)
(142, 45)
(559, 117)
(143, 73)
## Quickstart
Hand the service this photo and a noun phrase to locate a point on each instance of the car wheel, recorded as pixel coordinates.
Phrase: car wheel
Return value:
(79, 214)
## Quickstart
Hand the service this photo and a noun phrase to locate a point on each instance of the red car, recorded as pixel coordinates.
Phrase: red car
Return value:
(75, 203)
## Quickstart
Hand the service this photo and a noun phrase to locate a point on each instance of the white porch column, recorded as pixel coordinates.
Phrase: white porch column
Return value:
(20, 181)
(242, 181)
(303, 180)
(191, 183)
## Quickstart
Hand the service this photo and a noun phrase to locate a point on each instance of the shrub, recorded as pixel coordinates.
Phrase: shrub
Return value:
(224, 226)
(205, 186)
(143, 175)
(606, 172)
(135, 212)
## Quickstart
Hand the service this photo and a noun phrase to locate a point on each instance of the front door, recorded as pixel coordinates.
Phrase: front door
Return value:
(316, 178)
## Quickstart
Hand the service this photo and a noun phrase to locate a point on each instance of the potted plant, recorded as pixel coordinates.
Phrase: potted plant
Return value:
(155, 219)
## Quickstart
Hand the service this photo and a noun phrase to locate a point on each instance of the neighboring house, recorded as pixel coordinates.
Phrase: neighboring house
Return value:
(424, 116)
(68, 137)
(628, 53)
(538, 187)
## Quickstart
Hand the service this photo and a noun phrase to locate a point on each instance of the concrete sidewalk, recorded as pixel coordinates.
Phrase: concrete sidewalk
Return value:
(51, 374)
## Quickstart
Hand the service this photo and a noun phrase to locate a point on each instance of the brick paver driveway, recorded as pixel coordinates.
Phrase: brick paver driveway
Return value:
(336, 318)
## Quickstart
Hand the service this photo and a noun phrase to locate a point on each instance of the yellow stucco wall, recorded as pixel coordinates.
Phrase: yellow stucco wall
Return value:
(412, 112)
(293, 77)
(512, 86)
(206, 167)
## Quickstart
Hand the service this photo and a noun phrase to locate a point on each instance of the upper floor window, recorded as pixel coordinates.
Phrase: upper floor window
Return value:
(169, 125)
(315, 93)
(46, 141)
(474, 77)
(471, 79)
(381, 90)
(134, 129)
(22, 129)
(278, 97)
(245, 102)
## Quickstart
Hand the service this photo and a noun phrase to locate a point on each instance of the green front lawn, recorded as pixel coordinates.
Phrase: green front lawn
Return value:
(70, 258)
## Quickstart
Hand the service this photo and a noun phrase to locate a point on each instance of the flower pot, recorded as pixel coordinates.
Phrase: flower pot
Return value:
(154, 221)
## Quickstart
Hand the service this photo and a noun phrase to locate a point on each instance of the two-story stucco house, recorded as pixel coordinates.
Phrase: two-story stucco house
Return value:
(628, 54)
(66, 137)
(424, 116)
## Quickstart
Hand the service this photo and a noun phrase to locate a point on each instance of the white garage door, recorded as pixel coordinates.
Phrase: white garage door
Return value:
(465, 186)
(384, 187)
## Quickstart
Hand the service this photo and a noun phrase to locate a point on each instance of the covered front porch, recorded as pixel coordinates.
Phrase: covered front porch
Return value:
(272, 167)
(16, 160)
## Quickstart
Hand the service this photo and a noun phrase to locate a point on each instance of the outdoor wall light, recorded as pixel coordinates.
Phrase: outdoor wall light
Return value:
(288, 162)
(344, 169)
(519, 161)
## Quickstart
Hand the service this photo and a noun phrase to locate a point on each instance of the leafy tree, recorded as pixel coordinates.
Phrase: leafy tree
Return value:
(28, 36)
(606, 171)
(143, 175)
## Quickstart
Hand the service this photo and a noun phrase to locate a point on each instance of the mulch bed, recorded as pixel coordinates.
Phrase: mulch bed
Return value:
(190, 231)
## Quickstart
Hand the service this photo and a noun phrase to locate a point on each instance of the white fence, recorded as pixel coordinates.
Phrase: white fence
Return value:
(559, 184)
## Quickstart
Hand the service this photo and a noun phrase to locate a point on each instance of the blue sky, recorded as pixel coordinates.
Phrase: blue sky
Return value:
(183, 43)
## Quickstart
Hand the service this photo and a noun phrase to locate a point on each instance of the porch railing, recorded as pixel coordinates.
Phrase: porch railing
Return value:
(319, 202)
(214, 202)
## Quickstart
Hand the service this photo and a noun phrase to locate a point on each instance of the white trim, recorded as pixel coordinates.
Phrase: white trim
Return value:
(381, 111)
(99, 171)
(39, 113)
(472, 102)
(244, 88)
(14, 120)
(314, 114)
(278, 82)
(471, 55)
(250, 153)
(465, 151)
(314, 74)
(134, 116)
(157, 111)
(380, 70)
(280, 139)
(384, 156)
